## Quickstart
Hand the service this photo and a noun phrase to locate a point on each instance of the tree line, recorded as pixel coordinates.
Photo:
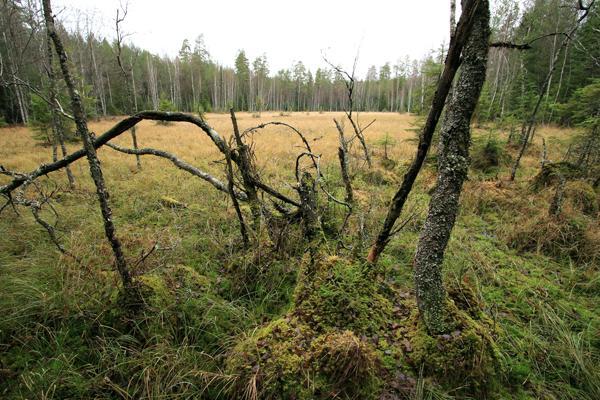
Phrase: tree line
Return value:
(118, 78)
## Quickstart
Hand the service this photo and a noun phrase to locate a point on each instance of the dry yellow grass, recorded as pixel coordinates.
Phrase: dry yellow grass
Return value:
(19, 151)
(276, 146)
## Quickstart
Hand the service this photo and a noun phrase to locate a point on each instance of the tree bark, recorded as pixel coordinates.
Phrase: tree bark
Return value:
(90, 151)
(247, 172)
(453, 166)
(462, 33)
(343, 157)
(57, 126)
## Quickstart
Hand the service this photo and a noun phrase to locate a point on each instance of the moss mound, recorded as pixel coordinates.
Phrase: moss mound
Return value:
(287, 360)
(583, 197)
(333, 293)
(566, 235)
(551, 174)
(487, 157)
(351, 336)
(180, 306)
(466, 355)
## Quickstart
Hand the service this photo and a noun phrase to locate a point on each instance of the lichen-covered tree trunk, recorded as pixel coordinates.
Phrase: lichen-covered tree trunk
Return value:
(90, 150)
(453, 60)
(453, 166)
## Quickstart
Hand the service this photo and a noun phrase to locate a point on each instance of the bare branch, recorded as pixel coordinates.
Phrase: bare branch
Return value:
(113, 132)
(181, 165)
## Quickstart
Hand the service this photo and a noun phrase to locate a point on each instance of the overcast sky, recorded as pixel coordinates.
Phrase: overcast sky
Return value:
(286, 31)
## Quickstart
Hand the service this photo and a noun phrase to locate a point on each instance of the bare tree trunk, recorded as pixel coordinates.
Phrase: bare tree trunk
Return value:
(57, 126)
(463, 31)
(247, 171)
(88, 144)
(152, 83)
(453, 166)
(23, 111)
(129, 85)
(343, 157)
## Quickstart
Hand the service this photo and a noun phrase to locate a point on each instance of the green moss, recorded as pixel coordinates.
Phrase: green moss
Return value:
(467, 354)
(350, 364)
(334, 293)
(552, 172)
(180, 306)
(287, 359)
(269, 363)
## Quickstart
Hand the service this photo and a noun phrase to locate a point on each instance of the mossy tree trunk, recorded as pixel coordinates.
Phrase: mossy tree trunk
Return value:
(461, 34)
(90, 150)
(308, 200)
(453, 166)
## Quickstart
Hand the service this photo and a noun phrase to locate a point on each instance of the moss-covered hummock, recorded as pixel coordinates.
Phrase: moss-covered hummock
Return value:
(552, 173)
(179, 305)
(351, 335)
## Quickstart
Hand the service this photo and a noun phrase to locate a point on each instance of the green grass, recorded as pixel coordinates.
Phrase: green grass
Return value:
(65, 334)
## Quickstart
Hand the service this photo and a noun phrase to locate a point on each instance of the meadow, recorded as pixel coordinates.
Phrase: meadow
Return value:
(61, 336)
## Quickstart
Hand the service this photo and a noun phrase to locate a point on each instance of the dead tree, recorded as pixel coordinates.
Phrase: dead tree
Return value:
(90, 151)
(557, 199)
(129, 85)
(344, 163)
(247, 171)
(528, 127)
(307, 191)
(234, 199)
(57, 126)
(453, 60)
(453, 165)
(350, 82)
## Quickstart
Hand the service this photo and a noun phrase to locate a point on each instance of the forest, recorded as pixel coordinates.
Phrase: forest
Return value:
(187, 227)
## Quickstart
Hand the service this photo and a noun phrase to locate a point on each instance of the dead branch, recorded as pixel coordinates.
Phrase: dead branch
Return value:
(277, 123)
(35, 207)
(54, 104)
(179, 163)
(350, 82)
(234, 200)
(113, 132)
(343, 157)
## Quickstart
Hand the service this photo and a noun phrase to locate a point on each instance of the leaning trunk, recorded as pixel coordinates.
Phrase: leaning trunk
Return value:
(453, 165)
(88, 144)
